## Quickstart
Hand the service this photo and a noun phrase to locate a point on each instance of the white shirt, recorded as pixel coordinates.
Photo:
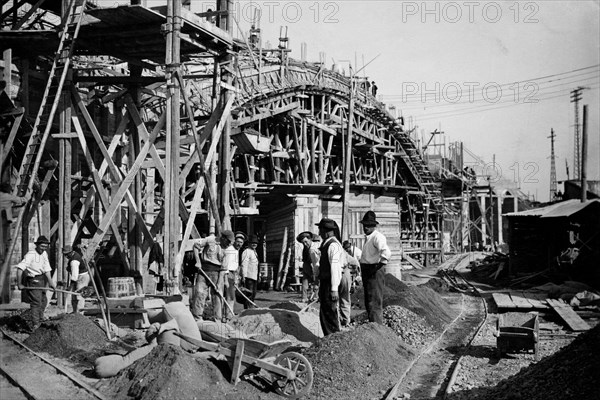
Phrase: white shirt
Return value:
(375, 249)
(74, 264)
(230, 259)
(250, 264)
(335, 252)
(34, 263)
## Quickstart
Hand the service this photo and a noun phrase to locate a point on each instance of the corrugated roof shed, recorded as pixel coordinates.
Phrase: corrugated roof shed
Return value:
(562, 209)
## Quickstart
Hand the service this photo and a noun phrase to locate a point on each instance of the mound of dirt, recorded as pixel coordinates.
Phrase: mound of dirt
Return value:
(269, 325)
(421, 300)
(288, 305)
(66, 335)
(168, 372)
(572, 373)
(358, 363)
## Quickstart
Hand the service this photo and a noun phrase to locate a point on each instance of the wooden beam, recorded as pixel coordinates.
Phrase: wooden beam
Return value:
(118, 198)
(115, 172)
(246, 120)
(100, 190)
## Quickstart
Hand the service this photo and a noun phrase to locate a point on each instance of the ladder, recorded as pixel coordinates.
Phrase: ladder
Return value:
(43, 122)
(50, 99)
(234, 197)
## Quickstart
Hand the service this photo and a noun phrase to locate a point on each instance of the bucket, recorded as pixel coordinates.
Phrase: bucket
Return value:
(121, 287)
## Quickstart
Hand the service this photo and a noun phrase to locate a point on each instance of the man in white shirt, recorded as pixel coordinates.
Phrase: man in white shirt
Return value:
(33, 272)
(249, 273)
(330, 276)
(229, 271)
(375, 255)
(79, 277)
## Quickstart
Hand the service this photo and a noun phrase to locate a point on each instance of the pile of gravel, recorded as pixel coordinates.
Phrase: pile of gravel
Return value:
(66, 335)
(410, 327)
(358, 363)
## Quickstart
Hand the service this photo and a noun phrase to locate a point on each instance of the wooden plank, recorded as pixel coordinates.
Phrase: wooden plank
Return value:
(519, 300)
(503, 300)
(568, 315)
(237, 362)
(412, 261)
(541, 297)
(537, 300)
(135, 318)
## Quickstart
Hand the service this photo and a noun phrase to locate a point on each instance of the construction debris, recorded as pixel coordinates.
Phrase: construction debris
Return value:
(492, 268)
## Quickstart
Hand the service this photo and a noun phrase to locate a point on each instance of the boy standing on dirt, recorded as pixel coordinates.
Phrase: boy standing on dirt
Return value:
(36, 268)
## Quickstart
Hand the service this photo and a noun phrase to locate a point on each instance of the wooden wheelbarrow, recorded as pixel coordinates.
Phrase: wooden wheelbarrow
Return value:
(290, 373)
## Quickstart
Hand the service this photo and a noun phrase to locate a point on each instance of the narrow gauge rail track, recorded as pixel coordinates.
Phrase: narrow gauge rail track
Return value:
(431, 373)
(38, 377)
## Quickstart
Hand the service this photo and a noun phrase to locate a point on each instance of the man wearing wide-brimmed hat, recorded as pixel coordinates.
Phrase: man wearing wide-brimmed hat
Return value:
(331, 263)
(79, 277)
(33, 272)
(375, 255)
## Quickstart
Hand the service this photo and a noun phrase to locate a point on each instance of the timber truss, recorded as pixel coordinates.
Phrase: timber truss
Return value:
(288, 124)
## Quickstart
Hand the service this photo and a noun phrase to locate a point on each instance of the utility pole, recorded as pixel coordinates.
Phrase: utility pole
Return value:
(575, 97)
(553, 186)
(584, 145)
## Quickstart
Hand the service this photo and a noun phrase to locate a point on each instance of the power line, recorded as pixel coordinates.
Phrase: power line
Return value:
(532, 79)
(415, 104)
(417, 97)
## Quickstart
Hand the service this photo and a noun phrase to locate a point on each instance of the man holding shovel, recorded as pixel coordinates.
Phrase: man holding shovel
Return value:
(80, 277)
(33, 272)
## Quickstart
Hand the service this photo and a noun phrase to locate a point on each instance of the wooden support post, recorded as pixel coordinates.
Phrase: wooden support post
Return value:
(171, 187)
(134, 229)
(347, 164)
(322, 168)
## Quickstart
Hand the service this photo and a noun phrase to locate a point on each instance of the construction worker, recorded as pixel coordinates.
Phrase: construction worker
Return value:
(310, 255)
(79, 277)
(330, 275)
(211, 257)
(33, 272)
(353, 255)
(229, 271)
(249, 269)
(375, 255)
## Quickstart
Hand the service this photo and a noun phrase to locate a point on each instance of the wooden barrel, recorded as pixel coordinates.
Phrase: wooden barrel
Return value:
(121, 287)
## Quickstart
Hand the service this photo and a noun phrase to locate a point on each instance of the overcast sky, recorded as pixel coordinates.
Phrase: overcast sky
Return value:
(495, 75)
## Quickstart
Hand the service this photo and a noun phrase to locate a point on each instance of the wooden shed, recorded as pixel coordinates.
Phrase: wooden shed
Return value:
(563, 238)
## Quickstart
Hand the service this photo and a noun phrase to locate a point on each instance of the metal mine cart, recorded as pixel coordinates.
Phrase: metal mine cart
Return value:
(290, 373)
(517, 332)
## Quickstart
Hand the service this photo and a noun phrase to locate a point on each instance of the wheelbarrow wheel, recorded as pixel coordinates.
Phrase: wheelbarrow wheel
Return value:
(302, 383)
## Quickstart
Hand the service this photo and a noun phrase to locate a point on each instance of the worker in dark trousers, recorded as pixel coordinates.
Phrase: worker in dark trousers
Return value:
(375, 255)
(330, 275)
(34, 272)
